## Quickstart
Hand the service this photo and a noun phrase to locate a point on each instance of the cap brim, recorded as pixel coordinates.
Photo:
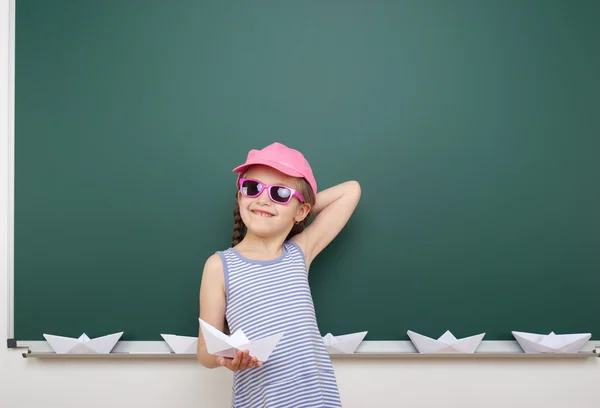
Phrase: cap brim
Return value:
(277, 166)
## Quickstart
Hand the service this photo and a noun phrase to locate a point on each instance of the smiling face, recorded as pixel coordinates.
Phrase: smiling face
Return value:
(264, 217)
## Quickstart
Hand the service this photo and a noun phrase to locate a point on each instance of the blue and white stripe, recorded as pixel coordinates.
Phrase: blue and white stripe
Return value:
(270, 297)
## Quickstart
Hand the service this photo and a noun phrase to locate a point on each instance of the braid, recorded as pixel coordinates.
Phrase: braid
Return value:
(297, 228)
(239, 229)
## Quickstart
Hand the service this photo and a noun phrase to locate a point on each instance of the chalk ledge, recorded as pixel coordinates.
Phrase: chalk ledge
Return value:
(52, 355)
(368, 349)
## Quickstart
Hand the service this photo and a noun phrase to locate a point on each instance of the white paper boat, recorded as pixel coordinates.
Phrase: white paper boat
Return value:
(220, 344)
(181, 344)
(551, 343)
(83, 344)
(447, 343)
(346, 344)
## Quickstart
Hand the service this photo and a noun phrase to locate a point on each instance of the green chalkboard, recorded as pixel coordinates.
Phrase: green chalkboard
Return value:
(473, 127)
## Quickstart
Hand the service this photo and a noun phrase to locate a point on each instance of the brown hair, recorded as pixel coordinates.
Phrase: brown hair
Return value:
(239, 229)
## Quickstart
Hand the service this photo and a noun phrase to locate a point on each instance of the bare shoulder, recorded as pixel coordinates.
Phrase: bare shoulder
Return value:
(213, 271)
(300, 240)
(213, 264)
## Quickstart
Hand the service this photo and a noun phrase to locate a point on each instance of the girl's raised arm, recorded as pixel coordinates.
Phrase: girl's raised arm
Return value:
(333, 208)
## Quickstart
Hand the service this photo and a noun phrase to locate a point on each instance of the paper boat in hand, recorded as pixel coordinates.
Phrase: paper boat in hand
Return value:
(220, 344)
(83, 344)
(181, 344)
(447, 343)
(346, 344)
(551, 343)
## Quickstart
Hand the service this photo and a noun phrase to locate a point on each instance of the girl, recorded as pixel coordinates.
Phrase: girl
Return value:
(260, 285)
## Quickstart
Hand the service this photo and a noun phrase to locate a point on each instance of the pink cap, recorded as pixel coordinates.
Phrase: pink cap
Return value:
(282, 158)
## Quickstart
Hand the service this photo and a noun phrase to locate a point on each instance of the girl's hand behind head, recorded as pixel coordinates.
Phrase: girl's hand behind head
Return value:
(242, 361)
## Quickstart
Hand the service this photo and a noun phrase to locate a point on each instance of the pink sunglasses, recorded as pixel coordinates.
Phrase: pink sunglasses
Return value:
(277, 194)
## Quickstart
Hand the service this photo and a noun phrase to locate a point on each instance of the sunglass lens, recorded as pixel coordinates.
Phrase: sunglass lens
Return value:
(251, 188)
(281, 194)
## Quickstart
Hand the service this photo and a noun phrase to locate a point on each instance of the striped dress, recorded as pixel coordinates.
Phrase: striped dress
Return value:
(270, 297)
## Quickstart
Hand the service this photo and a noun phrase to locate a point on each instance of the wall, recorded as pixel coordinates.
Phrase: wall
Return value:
(365, 383)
